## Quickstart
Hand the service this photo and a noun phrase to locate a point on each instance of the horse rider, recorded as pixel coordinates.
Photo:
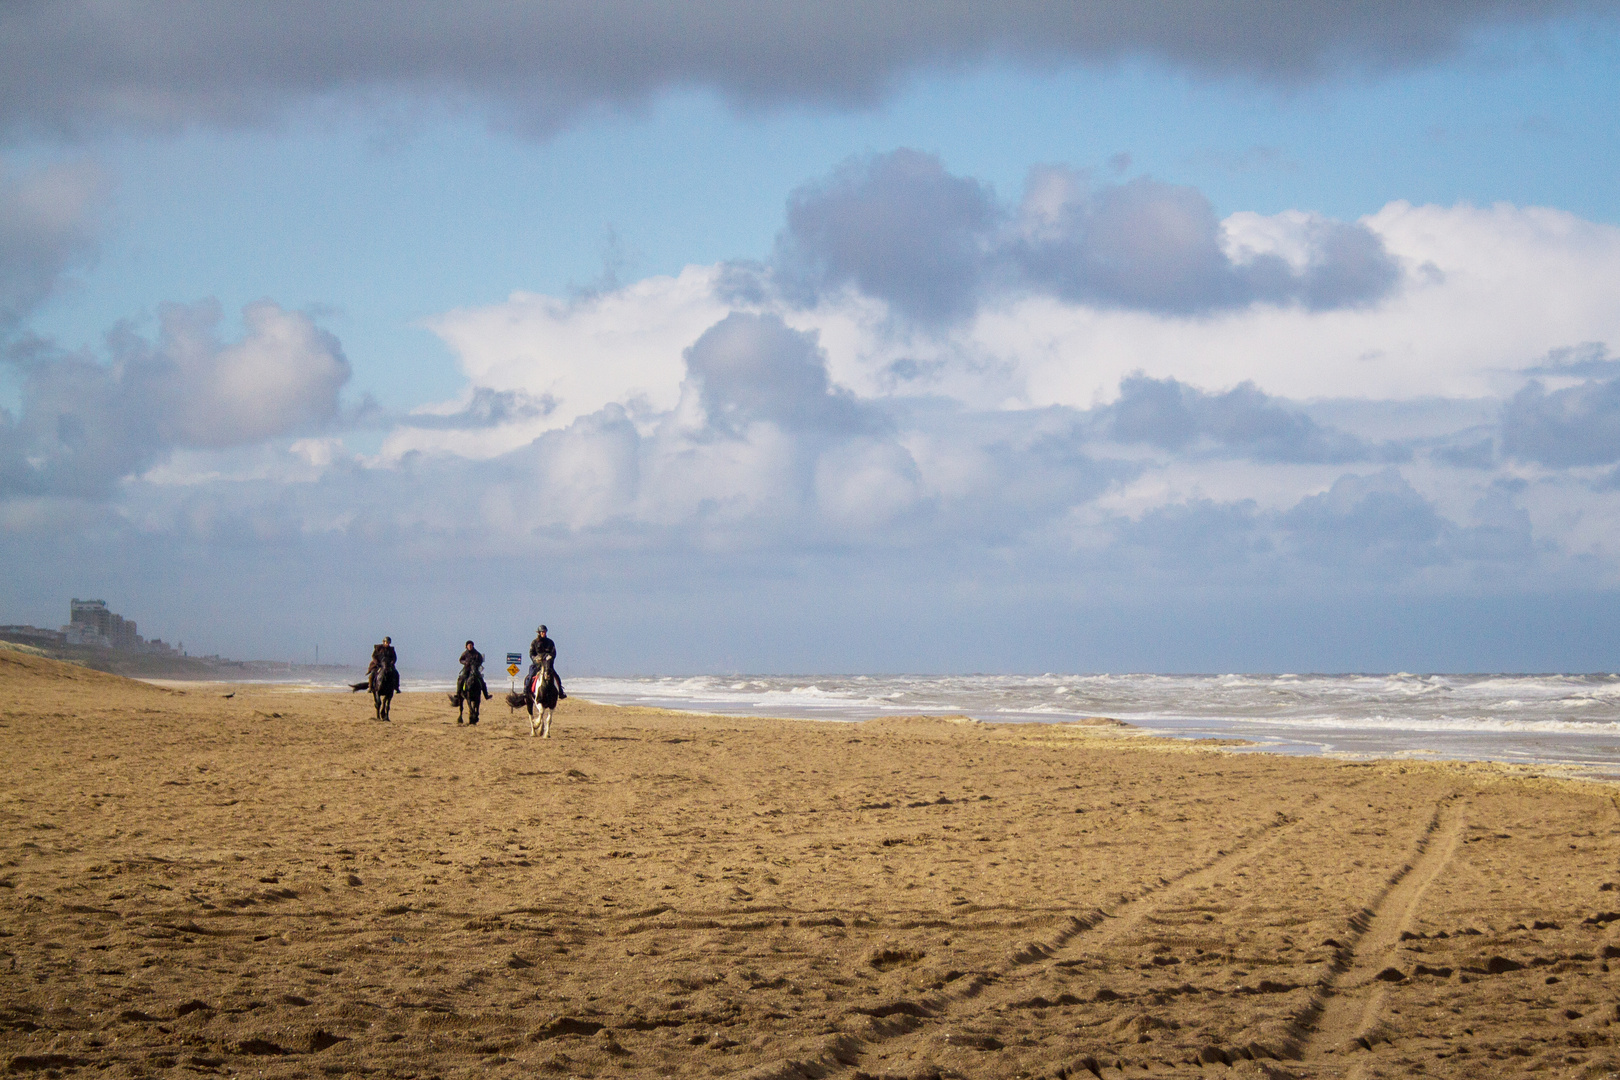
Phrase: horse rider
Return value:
(543, 646)
(471, 679)
(383, 657)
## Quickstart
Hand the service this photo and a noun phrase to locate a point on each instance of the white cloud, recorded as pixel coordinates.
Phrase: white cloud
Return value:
(662, 425)
(83, 425)
(1488, 291)
(285, 374)
(618, 347)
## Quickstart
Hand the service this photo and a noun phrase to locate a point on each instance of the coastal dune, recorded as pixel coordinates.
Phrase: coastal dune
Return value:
(250, 879)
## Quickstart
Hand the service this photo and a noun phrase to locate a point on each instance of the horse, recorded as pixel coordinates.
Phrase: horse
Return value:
(539, 699)
(473, 692)
(383, 683)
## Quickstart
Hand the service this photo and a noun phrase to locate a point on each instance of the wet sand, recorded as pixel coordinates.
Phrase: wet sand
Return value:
(274, 883)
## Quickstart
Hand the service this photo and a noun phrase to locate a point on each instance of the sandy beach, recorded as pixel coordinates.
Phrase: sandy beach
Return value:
(254, 880)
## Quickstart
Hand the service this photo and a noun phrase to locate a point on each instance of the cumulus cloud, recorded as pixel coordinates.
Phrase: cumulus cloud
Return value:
(1159, 247)
(1172, 415)
(896, 226)
(1578, 425)
(934, 246)
(1590, 358)
(1482, 291)
(77, 63)
(1485, 289)
(483, 408)
(84, 425)
(47, 220)
(720, 411)
(619, 346)
(722, 430)
(1369, 522)
(748, 368)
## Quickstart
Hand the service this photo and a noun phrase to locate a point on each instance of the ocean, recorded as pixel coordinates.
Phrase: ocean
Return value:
(1562, 720)
(1531, 719)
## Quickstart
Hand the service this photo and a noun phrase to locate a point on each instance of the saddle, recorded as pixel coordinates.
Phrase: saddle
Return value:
(470, 683)
(384, 680)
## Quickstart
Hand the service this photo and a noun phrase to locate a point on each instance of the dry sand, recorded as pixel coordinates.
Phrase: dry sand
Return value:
(274, 883)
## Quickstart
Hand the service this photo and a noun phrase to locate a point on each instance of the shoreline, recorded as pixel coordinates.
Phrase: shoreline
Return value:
(275, 882)
(1605, 769)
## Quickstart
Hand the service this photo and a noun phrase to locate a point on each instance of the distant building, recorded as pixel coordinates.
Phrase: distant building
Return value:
(92, 623)
(89, 623)
(32, 635)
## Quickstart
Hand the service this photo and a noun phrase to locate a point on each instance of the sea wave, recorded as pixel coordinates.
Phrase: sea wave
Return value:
(1543, 717)
(1538, 718)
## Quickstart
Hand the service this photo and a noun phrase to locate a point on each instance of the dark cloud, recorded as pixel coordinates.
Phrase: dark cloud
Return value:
(1379, 523)
(749, 368)
(1381, 526)
(487, 408)
(1478, 454)
(899, 227)
(72, 63)
(78, 432)
(1140, 244)
(1197, 538)
(1246, 421)
(85, 425)
(1364, 533)
(1590, 359)
(1504, 532)
(1158, 247)
(46, 225)
(1579, 425)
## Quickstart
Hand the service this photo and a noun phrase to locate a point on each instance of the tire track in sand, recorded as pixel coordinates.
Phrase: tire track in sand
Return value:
(892, 1020)
(1344, 1013)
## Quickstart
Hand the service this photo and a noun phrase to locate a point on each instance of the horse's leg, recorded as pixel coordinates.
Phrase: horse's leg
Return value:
(545, 726)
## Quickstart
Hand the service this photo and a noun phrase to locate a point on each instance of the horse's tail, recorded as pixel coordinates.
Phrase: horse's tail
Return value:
(359, 686)
(517, 701)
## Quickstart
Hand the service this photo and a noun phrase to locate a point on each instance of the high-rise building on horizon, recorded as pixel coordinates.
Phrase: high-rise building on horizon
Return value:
(91, 622)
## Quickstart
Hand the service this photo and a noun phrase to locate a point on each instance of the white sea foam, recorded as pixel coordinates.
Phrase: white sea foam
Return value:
(1549, 718)
(1544, 718)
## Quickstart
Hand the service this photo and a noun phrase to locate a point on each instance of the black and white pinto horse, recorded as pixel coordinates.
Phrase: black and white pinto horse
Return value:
(539, 699)
(383, 684)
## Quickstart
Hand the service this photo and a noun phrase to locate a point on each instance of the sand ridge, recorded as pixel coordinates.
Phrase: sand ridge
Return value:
(274, 883)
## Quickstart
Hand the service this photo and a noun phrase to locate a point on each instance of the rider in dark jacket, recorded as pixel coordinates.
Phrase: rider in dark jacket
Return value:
(472, 675)
(544, 646)
(383, 657)
(383, 660)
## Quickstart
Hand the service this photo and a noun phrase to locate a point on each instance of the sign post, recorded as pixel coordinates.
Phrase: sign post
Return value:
(512, 661)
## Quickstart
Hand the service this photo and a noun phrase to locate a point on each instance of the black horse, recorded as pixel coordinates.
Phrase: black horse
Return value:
(473, 693)
(383, 682)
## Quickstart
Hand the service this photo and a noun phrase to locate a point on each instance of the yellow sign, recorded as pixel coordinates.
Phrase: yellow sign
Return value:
(511, 669)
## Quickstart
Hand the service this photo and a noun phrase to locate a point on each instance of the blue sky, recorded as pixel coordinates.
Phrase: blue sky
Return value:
(716, 369)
